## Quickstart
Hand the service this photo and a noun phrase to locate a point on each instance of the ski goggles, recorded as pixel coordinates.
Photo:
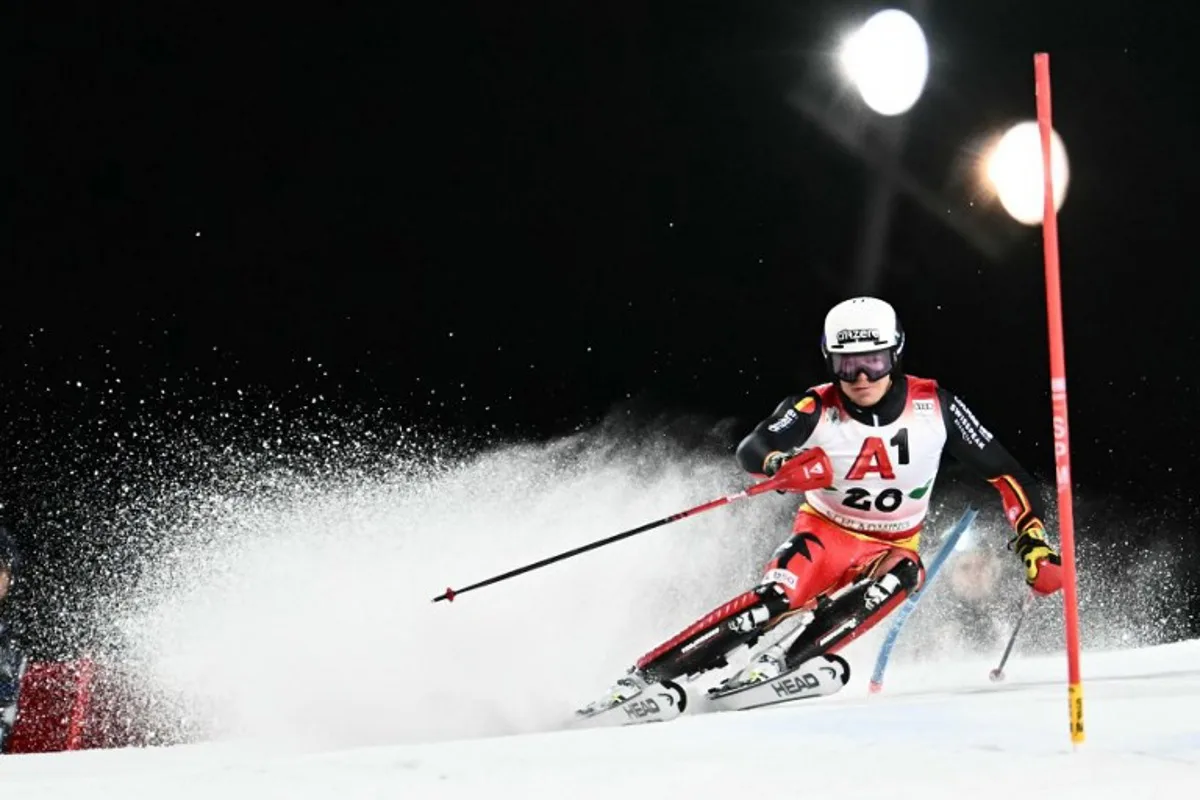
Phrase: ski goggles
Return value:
(874, 365)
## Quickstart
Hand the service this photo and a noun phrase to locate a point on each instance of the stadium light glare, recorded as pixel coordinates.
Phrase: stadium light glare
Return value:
(887, 61)
(1013, 169)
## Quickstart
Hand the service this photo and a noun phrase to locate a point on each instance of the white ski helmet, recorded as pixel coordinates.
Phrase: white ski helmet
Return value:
(862, 334)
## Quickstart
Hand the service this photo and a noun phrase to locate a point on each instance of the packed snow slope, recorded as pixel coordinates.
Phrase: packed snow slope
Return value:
(935, 732)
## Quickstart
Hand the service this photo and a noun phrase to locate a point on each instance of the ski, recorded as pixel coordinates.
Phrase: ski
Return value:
(666, 701)
(817, 677)
(658, 702)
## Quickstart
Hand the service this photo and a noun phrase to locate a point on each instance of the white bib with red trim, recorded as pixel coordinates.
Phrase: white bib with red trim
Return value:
(883, 475)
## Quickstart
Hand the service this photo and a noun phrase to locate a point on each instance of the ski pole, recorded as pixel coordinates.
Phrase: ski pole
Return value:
(809, 470)
(910, 605)
(997, 674)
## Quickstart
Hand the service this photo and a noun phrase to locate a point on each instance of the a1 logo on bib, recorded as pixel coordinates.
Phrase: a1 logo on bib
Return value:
(873, 457)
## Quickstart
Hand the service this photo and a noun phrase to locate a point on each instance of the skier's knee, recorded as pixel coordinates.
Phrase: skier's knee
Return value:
(774, 597)
(910, 574)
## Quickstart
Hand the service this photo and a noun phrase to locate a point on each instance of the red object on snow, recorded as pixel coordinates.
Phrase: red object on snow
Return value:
(54, 703)
(87, 705)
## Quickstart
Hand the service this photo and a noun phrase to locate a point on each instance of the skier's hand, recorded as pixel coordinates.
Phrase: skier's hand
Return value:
(774, 461)
(771, 465)
(1043, 567)
(799, 471)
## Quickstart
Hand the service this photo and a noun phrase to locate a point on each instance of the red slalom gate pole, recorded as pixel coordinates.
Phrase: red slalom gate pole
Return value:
(1058, 396)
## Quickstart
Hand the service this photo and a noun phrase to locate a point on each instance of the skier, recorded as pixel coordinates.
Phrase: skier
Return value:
(853, 554)
(12, 660)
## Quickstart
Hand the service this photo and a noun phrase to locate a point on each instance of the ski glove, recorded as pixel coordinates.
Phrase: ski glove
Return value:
(1043, 567)
(799, 471)
(773, 462)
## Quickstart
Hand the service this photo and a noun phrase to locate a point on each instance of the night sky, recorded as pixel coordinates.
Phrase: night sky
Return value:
(512, 219)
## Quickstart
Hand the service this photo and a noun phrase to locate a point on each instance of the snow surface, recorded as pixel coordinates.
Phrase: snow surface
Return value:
(944, 732)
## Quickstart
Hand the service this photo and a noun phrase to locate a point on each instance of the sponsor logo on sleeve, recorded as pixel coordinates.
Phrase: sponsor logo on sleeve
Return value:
(783, 576)
(784, 422)
(968, 426)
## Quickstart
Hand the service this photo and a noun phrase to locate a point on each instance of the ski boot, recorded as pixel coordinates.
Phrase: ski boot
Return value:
(768, 664)
(633, 700)
(623, 690)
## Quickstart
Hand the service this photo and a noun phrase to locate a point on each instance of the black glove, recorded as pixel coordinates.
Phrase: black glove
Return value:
(774, 461)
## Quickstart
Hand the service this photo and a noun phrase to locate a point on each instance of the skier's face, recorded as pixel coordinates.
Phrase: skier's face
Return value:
(864, 391)
(5, 582)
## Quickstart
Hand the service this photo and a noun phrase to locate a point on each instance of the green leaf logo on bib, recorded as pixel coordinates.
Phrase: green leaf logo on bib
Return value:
(919, 492)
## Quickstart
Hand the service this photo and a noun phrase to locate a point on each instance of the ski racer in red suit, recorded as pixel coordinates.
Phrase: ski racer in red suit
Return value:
(853, 554)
